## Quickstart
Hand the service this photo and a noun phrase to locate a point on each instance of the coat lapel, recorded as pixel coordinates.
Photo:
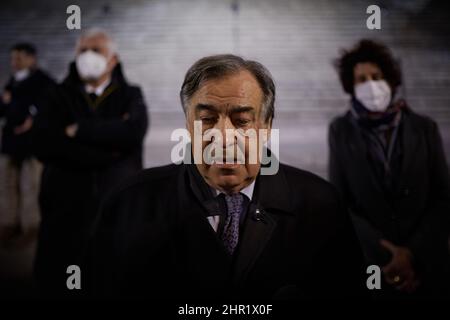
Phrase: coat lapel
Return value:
(410, 142)
(271, 198)
(195, 205)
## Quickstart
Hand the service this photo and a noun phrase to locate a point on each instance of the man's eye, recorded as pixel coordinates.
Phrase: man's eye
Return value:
(242, 122)
(377, 77)
(207, 119)
(362, 79)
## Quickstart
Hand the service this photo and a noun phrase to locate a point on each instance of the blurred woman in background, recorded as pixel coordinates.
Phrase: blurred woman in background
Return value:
(389, 165)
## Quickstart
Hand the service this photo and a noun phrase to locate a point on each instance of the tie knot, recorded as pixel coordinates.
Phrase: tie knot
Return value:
(234, 202)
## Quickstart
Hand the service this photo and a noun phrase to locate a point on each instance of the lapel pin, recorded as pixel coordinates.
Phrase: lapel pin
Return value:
(258, 215)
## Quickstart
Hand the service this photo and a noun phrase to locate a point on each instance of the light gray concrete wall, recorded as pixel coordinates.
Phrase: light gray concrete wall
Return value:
(296, 40)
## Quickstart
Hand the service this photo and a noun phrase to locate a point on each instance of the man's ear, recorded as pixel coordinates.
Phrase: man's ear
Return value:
(113, 61)
(268, 127)
(188, 125)
(33, 61)
(189, 121)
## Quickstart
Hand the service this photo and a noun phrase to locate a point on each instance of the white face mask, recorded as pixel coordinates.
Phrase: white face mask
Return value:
(91, 65)
(21, 74)
(374, 95)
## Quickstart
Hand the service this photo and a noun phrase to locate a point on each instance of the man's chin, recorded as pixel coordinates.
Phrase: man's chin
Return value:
(90, 79)
(226, 177)
(229, 182)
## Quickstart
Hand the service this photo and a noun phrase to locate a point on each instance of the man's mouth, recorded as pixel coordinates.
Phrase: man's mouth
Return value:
(228, 162)
(226, 165)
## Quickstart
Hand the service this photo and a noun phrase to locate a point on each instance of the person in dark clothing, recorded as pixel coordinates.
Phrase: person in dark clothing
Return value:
(224, 229)
(19, 105)
(89, 136)
(389, 164)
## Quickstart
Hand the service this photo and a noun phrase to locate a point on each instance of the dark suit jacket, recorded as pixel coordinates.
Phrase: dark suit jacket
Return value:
(153, 239)
(417, 213)
(26, 95)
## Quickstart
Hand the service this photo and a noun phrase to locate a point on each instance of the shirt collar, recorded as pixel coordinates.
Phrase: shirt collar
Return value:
(248, 190)
(21, 75)
(98, 90)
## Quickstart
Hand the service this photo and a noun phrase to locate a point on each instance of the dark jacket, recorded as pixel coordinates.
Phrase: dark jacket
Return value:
(415, 213)
(26, 97)
(153, 240)
(78, 171)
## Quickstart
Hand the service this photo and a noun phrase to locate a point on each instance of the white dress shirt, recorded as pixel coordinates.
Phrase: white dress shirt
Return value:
(97, 90)
(248, 191)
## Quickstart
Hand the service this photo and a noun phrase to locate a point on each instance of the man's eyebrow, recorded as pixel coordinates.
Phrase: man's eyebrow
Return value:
(234, 109)
(240, 109)
(208, 107)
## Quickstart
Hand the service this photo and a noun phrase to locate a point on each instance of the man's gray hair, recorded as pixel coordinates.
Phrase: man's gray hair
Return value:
(94, 32)
(219, 66)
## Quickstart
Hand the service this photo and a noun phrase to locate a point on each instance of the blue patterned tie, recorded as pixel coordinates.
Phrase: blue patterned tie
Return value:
(230, 234)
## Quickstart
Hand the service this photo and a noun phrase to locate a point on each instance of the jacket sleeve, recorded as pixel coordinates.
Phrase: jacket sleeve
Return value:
(44, 88)
(118, 134)
(52, 146)
(434, 228)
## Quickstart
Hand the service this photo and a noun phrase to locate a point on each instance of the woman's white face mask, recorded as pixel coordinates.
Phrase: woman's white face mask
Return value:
(91, 65)
(374, 95)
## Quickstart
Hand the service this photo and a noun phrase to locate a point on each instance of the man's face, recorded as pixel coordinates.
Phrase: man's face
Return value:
(232, 102)
(99, 44)
(21, 60)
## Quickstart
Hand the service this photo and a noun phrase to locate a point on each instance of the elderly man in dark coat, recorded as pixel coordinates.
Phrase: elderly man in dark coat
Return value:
(90, 138)
(226, 228)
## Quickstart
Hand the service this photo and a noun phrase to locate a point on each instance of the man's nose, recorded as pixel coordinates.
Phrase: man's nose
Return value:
(223, 125)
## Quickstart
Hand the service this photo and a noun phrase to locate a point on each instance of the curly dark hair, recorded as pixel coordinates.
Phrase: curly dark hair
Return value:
(367, 50)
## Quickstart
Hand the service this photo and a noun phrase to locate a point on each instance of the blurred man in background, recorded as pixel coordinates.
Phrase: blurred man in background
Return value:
(90, 137)
(389, 164)
(19, 105)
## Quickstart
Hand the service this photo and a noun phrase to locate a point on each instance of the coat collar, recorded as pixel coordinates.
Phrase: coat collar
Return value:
(201, 190)
(271, 192)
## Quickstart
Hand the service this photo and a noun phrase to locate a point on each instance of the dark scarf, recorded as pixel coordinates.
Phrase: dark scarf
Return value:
(385, 153)
(377, 120)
